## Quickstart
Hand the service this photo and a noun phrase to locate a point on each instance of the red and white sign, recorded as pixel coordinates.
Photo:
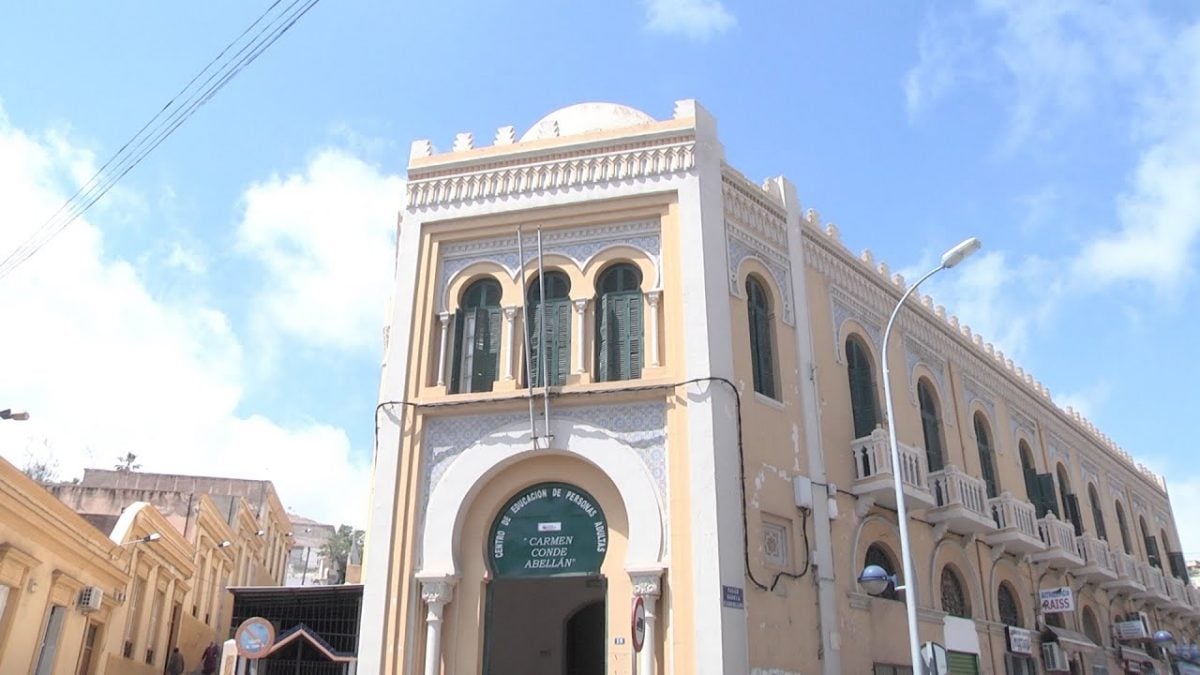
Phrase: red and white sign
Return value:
(638, 623)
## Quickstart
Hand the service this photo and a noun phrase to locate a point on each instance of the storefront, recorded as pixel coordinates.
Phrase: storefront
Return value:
(1018, 659)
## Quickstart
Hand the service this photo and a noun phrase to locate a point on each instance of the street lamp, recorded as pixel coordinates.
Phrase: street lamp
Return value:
(949, 259)
(875, 579)
(10, 414)
(1165, 641)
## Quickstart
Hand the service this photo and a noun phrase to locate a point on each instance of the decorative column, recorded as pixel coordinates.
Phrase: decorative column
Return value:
(652, 300)
(510, 342)
(444, 319)
(647, 585)
(580, 342)
(436, 592)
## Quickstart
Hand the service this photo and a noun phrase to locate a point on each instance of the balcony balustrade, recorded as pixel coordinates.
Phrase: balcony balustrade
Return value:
(960, 502)
(1016, 526)
(1177, 592)
(873, 473)
(1098, 565)
(1154, 582)
(1059, 538)
(1128, 579)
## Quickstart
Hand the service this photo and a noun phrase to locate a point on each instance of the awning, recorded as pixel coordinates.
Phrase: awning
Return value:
(1071, 641)
(1131, 654)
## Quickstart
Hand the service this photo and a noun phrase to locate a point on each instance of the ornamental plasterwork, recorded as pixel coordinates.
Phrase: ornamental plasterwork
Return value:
(628, 162)
(1091, 472)
(844, 307)
(1139, 504)
(754, 227)
(437, 591)
(916, 352)
(640, 426)
(647, 583)
(738, 248)
(974, 391)
(1116, 485)
(579, 244)
(1056, 447)
(1019, 421)
(1161, 519)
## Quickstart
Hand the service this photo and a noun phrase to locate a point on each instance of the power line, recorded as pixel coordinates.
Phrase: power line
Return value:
(169, 118)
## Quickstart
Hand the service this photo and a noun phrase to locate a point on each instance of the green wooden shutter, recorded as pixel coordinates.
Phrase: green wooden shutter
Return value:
(561, 365)
(959, 663)
(1047, 501)
(1032, 489)
(862, 390)
(1073, 513)
(1152, 552)
(486, 347)
(457, 354)
(533, 330)
(603, 327)
(620, 336)
(633, 338)
(761, 358)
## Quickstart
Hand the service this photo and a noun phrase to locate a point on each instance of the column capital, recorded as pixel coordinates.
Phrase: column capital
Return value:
(580, 305)
(444, 317)
(510, 313)
(653, 296)
(647, 582)
(437, 590)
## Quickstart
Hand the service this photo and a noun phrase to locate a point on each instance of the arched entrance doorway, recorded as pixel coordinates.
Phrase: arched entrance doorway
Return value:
(546, 601)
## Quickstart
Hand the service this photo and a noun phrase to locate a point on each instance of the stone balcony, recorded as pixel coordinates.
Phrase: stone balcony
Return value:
(1098, 565)
(1128, 580)
(1016, 527)
(1154, 583)
(873, 473)
(1177, 592)
(1059, 538)
(960, 502)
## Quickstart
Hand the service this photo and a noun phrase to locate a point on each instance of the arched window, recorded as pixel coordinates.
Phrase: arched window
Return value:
(954, 599)
(619, 324)
(1174, 558)
(1006, 602)
(1124, 527)
(931, 425)
(557, 331)
(477, 338)
(863, 403)
(1152, 556)
(1028, 471)
(1070, 503)
(983, 439)
(1097, 512)
(762, 352)
(1091, 627)
(877, 554)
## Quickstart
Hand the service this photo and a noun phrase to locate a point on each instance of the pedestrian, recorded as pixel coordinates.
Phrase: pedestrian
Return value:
(175, 663)
(208, 662)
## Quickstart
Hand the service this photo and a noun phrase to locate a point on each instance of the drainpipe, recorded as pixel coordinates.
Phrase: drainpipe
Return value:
(831, 657)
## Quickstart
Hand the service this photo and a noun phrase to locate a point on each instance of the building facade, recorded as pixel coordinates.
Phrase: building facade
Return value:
(308, 561)
(711, 444)
(110, 574)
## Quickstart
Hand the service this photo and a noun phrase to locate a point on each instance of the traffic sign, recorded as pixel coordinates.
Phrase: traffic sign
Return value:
(255, 637)
(638, 623)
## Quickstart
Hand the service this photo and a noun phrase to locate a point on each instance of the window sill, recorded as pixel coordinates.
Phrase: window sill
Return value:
(768, 401)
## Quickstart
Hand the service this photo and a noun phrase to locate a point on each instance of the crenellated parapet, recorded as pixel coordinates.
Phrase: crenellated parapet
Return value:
(895, 285)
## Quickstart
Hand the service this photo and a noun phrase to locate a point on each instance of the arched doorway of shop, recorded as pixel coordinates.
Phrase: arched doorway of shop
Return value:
(546, 603)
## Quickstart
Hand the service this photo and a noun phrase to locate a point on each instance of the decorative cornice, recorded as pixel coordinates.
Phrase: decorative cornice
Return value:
(592, 166)
(874, 286)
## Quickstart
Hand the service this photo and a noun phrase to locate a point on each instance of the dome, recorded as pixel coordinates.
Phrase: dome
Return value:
(584, 117)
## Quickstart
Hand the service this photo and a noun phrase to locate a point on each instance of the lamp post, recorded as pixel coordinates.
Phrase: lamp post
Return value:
(15, 415)
(949, 259)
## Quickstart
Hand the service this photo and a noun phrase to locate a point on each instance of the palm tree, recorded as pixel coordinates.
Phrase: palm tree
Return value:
(337, 548)
(127, 463)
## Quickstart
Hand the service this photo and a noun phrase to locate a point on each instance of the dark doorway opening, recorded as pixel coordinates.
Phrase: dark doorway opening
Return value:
(546, 626)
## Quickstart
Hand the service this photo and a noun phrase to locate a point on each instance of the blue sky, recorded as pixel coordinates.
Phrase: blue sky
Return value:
(221, 310)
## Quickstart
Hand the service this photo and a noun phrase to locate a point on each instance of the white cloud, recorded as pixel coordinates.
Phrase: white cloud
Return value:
(1087, 401)
(326, 239)
(696, 19)
(104, 368)
(946, 57)
(1185, 503)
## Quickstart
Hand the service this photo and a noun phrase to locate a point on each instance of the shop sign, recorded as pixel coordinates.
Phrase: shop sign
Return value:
(733, 597)
(550, 529)
(1057, 600)
(1130, 630)
(1020, 641)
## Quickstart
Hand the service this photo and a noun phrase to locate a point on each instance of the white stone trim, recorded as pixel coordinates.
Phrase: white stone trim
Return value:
(453, 494)
(652, 298)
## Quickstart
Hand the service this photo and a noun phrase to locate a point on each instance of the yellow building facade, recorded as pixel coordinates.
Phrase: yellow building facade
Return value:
(96, 581)
(711, 445)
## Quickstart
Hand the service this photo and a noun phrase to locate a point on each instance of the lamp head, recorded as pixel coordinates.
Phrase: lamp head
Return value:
(260, 532)
(153, 536)
(1162, 637)
(225, 544)
(10, 414)
(875, 579)
(959, 253)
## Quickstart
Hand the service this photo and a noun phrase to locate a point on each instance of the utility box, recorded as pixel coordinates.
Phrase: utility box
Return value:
(802, 487)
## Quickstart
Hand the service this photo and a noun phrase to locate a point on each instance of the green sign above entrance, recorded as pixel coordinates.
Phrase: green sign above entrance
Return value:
(550, 529)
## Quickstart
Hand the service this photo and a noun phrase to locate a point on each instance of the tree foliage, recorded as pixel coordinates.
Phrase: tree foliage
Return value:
(338, 547)
(127, 463)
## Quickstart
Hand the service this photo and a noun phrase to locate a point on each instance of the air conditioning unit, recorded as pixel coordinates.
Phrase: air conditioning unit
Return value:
(1054, 658)
(90, 598)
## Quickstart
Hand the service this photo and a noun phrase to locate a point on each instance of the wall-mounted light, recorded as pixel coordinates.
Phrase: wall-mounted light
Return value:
(17, 415)
(32, 585)
(225, 544)
(260, 533)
